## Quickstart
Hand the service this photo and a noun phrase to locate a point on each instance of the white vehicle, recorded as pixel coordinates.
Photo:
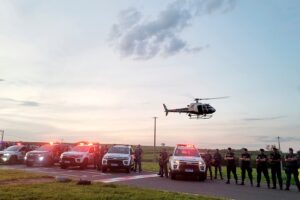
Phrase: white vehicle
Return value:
(81, 155)
(13, 154)
(118, 157)
(186, 160)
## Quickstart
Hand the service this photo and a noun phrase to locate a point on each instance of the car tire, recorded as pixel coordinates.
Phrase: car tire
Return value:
(104, 169)
(29, 164)
(62, 166)
(202, 177)
(84, 164)
(173, 176)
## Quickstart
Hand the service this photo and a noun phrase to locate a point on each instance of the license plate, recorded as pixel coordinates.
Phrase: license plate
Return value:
(189, 170)
(66, 161)
(114, 165)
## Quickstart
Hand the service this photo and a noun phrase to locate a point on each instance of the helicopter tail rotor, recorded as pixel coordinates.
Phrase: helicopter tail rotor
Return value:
(166, 109)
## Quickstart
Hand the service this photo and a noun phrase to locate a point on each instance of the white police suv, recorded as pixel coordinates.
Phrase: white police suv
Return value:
(186, 160)
(13, 154)
(81, 155)
(118, 157)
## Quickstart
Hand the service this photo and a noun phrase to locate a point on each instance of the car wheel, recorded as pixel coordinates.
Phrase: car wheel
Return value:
(29, 164)
(173, 176)
(202, 177)
(84, 164)
(104, 169)
(64, 166)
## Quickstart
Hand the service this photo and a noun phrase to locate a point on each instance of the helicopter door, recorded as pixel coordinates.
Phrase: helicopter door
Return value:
(200, 109)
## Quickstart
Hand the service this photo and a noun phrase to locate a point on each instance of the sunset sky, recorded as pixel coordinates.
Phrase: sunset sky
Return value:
(100, 71)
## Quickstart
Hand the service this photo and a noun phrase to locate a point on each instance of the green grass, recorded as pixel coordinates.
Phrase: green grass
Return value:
(9, 175)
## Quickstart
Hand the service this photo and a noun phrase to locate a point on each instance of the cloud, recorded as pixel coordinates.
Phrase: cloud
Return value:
(22, 103)
(1, 80)
(135, 36)
(263, 118)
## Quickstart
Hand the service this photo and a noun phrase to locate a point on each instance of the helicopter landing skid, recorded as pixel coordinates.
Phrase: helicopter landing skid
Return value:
(200, 116)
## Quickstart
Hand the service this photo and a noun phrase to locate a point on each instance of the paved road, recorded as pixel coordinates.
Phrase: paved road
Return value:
(150, 180)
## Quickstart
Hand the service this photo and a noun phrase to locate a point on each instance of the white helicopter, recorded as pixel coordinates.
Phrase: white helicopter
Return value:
(196, 110)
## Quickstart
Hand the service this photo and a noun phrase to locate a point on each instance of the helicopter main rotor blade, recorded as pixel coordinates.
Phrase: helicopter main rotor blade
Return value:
(199, 99)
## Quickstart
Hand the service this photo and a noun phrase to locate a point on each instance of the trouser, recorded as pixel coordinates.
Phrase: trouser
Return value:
(96, 160)
(138, 164)
(231, 168)
(164, 170)
(264, 170)
(276, 172)
(218, 167)
(249, 171)
(208, 168)
(289, 172)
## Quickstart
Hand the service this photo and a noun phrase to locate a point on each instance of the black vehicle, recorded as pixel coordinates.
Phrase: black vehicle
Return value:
(46, 155)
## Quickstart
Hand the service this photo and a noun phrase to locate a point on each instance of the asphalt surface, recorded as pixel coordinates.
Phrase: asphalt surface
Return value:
(215, 188)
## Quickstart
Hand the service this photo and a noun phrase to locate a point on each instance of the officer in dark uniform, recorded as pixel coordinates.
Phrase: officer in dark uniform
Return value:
(138, 159)
(217, 160)
(163, 163)
(262, 167)
(96, 155)
(246, 166)
(208, 162)
(103, 151)
(291, 168)
(231, 165)
(275, 163)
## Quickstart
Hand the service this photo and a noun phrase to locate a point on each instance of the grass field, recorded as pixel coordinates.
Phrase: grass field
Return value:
(71, 191)
(10, 175)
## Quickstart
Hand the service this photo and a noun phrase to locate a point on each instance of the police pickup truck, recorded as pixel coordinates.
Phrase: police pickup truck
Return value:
(118, 157)
(45, 155)
(13, 154)
(81, 155)
(186, 160)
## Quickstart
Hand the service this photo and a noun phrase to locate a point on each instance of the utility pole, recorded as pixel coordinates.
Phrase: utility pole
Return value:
(154, 144)
(2, 135)
(278, 138)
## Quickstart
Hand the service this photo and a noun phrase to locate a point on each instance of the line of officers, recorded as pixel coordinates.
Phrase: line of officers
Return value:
(262, 162)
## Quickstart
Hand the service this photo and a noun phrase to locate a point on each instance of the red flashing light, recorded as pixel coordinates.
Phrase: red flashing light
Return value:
(81, 144)
(51, 143)
(19, 144)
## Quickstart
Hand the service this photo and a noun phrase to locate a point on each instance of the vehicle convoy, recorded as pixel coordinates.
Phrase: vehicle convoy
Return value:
(81, 155)
(13, 154)
(45, 155)
(118, 157)
(186, 160)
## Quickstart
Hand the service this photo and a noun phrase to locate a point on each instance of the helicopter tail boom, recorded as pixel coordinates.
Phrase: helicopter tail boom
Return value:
(166, 109)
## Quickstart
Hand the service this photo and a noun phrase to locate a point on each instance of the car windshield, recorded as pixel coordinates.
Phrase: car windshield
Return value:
(80, 148)
(121, 150)
(13, 148)
(46, 147)
(186, 152)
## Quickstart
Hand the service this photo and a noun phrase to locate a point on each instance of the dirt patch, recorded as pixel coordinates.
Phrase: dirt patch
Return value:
(27, 181)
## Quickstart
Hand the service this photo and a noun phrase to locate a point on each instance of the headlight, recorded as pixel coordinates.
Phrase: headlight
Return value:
(6, 154)
(175, 162)
(201, 162)
(61, 156)
(41, 158)
(126, 162)
(104, 161)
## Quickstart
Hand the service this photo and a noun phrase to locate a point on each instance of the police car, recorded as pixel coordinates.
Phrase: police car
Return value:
(118, 157)
(13, 154)
(45, 155)
(81, 155)
(186, 160)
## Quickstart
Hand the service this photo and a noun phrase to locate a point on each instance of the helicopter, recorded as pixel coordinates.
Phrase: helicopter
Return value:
(196, 110)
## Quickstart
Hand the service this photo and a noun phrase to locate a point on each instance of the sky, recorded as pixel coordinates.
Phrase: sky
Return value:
(100, 71)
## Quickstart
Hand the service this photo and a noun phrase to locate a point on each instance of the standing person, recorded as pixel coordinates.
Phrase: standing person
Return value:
(96, 155)
(217, 163)
(262, 167)
(208, 161)
(246, 166)
(163, 163)
(103, 151)
(291, 168)
(231, 165)
(138, 158)
(275, 163)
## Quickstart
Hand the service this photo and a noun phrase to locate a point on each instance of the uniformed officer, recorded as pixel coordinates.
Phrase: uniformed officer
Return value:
(96, 155)
(262, 167)
(275, 163)
(291, 168)
(138, 158)
(103, 151)
(208, 161)
(163, 163)
(217, 160)
(231, 165)
(246, 166)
